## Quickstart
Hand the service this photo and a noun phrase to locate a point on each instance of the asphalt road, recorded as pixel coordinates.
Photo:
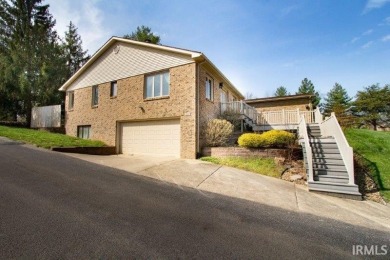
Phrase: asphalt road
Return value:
(54, 206)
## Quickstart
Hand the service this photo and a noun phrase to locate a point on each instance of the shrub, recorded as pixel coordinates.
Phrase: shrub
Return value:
(251, 140)
(273, 138)
(217, 132)
(233, 117)
(278, 138)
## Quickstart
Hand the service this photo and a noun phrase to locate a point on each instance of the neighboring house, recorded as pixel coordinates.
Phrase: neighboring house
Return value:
(292, 102)
(145, 98)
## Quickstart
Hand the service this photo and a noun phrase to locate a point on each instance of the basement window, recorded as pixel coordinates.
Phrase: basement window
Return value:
(84, 131)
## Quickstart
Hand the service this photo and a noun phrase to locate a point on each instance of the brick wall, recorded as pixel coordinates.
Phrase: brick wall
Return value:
(210, 109)
(126, 107)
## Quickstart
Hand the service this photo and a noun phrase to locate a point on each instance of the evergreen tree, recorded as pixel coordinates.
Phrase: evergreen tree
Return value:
(33, 64)
(143, 34)
(307, 87)
(281, 92)
(337, 101)
(372, 106)
(74, 54)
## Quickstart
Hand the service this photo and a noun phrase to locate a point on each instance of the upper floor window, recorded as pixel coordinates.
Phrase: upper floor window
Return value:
(157, 85)
(95, 95)
(114, 89)
(209, 88)
(70, 100)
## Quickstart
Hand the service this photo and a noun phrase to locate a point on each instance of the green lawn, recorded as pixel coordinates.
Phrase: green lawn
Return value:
(45, 139)
(264, 166)
(374, 147)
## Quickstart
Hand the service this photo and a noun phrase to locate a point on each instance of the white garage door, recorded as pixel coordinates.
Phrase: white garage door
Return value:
(151, 137)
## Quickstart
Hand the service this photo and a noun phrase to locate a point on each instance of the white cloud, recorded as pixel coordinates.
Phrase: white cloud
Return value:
(87, 17)
(368, 32)
(355, 39)
(374, 4)
(386, 38)
(367, 45)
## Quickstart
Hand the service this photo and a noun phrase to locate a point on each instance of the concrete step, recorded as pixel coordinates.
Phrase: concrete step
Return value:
(331, 178)
(341, 188)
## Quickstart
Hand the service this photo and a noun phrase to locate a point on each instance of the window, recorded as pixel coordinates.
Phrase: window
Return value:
(157, 85)
(95, 95)
(84, 131)
(209, 88)
(113, 89)
(70, 100)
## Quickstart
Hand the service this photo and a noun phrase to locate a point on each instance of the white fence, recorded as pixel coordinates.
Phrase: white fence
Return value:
(45, 117)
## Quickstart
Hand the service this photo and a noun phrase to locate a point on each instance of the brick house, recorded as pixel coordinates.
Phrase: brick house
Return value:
(145, 98)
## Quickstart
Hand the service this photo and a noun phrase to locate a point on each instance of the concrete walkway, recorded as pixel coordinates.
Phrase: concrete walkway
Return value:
(232, 182)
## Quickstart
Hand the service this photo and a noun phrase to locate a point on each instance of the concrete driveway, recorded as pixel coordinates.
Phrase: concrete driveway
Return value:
(232, 182)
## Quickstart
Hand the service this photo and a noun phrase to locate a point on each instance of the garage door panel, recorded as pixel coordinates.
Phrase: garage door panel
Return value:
(151, 137)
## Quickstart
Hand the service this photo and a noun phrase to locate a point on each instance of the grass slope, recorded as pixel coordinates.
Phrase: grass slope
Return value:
(374, 147)
(45, 139)
(264, 166)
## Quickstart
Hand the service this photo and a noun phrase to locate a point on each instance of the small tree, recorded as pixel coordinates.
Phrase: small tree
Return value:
(372, 105)
(143, 34)
(307, 87)
(218, 132)
(337, 101)
(281, 92)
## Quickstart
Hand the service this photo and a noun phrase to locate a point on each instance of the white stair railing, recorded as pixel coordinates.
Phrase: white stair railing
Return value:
(331, 127)
(302, 130)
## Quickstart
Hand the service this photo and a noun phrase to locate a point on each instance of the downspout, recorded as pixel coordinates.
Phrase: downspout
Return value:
(198, 106)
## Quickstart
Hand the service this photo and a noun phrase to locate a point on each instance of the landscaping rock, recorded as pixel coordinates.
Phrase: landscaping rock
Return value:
(296, 177)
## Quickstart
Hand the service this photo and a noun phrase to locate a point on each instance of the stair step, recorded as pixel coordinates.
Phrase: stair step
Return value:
(329, 161)
(324, 145)
(329, 166)
(316, 150)
(332, 172)
(334, 156)
(334, 187)
(331, 178)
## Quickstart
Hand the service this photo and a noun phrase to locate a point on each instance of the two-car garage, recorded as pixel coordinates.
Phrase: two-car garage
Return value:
(155, 137)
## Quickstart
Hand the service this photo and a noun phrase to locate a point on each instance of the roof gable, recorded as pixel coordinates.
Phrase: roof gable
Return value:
(122, 58)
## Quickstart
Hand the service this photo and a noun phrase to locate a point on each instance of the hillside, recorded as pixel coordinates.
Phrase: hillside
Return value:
(374, 147)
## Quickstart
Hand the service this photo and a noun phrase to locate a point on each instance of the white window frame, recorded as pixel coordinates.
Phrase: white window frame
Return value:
(209, 86)
(113, 89)
(82, 130)
(95, 95)
(70, 100)
(154, 76)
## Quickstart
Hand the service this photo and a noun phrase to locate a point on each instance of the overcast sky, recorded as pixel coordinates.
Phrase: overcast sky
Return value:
(259, 45)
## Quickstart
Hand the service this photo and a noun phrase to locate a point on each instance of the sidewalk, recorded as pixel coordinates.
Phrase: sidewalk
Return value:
(232, 182)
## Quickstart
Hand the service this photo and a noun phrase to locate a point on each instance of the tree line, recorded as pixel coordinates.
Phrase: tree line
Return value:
(370, 108)
(35, 61)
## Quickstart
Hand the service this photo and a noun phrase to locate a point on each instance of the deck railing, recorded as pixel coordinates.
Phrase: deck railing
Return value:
(280, 117)
(302, 132)
(331, 127)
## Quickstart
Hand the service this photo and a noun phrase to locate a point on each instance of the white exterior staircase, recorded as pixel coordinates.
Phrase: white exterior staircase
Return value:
(327, 154)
